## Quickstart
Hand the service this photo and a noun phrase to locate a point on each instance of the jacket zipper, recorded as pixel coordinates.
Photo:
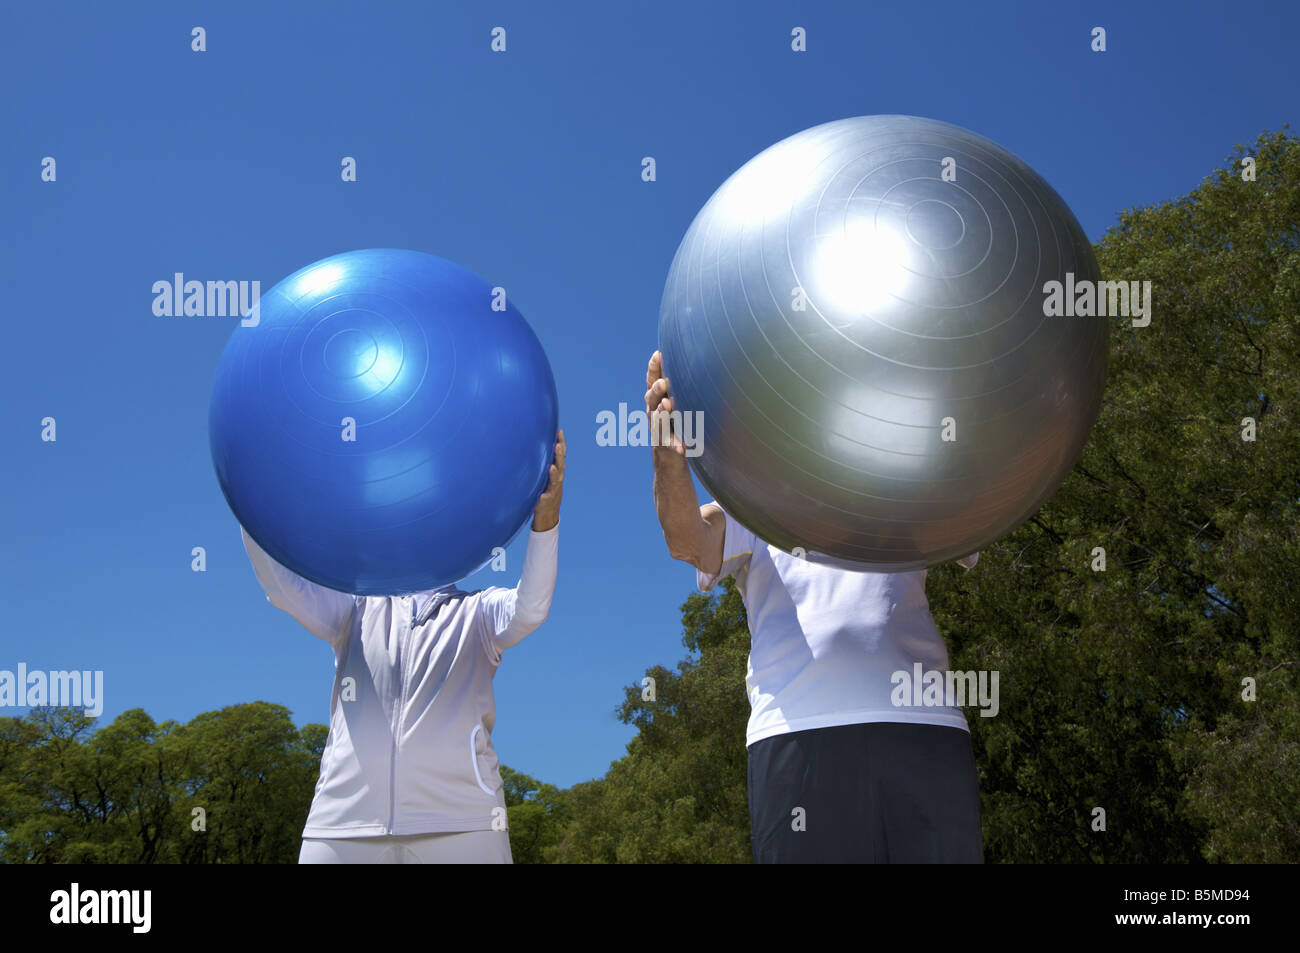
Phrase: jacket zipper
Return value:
(401, 706)
(397, 723)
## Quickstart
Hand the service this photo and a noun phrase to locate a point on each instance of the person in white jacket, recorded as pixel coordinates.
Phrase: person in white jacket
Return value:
(409, 774)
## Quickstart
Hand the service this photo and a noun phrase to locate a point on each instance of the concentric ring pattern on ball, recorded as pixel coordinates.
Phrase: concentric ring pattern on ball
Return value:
(840, 306)
(453, 418)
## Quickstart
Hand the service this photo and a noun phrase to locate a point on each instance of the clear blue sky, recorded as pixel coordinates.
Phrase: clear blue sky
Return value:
(523, 167)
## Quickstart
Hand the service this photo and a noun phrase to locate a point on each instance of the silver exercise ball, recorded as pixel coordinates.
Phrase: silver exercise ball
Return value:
(857, 315)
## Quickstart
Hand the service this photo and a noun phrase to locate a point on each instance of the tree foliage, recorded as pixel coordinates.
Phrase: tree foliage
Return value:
(1123, 689)
(231, 786)
(679, 795)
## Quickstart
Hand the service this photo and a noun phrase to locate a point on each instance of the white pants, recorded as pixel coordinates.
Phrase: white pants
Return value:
(470, 847)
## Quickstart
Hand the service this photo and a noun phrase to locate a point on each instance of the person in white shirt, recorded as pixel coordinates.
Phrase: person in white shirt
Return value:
(409, 774)
(839, 770)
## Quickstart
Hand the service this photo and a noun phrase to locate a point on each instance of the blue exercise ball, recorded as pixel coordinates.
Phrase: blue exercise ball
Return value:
(382, 427)
(858, 317)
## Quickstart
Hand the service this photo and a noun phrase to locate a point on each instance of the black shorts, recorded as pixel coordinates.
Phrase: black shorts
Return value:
(873, 793)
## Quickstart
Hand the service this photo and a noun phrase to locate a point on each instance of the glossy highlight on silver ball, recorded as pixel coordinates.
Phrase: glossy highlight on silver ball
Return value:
(858, 315)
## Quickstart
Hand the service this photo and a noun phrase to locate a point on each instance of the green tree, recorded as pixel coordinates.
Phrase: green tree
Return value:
(127, 792)
(537, 813)
(252, 774)
(679, 795)
(1122, 689)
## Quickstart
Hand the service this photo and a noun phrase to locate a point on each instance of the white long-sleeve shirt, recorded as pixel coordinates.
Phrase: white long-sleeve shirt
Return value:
(827, 639)
(411, 715)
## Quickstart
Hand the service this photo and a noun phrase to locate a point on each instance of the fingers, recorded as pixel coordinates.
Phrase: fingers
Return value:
(546, 512)
(658, 401)
(657, 393)
(556, 471)
(655, 381)
(549, 498)
(655, 370)
(561, 448)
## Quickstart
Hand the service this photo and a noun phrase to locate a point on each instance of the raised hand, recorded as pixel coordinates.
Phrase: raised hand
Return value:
(659, 404)
(547, 512)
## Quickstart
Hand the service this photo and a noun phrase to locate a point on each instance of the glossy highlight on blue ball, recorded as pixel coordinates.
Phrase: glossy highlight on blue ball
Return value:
(382, 429)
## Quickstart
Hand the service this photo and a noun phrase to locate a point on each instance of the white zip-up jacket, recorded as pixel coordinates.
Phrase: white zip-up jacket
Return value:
(411, 715)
